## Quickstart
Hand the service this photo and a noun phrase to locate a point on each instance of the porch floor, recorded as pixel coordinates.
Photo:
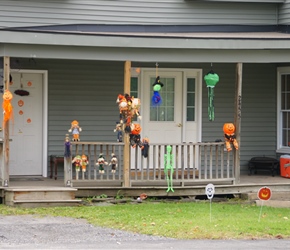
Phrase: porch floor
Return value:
(260, 179)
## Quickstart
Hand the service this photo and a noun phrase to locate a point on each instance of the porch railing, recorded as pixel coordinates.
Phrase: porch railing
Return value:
(193, 164)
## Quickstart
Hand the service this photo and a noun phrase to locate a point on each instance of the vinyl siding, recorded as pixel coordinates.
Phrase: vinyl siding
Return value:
(284, 13)
(20, 13)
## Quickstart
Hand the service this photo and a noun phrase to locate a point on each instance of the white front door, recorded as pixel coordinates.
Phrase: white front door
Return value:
(26, 127)
(178, 118)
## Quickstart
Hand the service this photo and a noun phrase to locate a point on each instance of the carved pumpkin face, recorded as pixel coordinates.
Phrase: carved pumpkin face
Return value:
(7, 96)
(136, 129)
(229, 128)
(264, 193)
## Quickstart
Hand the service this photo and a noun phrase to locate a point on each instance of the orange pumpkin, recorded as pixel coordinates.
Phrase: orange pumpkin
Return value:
(264, 193)
(229, 128)
(135, 129)
(7, 106)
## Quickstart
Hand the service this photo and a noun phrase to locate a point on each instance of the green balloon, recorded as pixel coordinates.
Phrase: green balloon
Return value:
(211, 80)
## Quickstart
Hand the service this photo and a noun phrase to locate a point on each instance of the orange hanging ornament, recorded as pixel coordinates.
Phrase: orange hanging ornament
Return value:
(7, 107)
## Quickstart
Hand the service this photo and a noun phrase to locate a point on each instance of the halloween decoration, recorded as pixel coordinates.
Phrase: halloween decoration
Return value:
(67, 147)
(77, 161)
(21, 91)
(264, 193)
(168, 159)
(84, 163)
(7, 107)
(101, 163)
(209, 191)
(113, 163)
(118, 129)
(211, 80)
(75, 130)
(229, 134)
(135, 138)
(129, 109)
(145, 148)
(156, 98)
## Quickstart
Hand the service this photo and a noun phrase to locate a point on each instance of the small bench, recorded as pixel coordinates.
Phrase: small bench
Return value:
(54, 161)
(263, 163)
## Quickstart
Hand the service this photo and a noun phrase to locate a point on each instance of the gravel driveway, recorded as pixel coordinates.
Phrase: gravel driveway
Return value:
(31, 232)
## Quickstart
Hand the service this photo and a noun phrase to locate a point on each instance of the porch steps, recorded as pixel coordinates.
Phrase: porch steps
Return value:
(41, 197)
(278, 199)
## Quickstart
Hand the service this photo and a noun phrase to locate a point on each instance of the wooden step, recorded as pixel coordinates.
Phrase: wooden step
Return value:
(273, 203)
(45, 196)
(279, 195)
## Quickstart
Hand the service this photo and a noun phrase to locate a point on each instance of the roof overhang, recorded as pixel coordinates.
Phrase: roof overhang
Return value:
(166, 47)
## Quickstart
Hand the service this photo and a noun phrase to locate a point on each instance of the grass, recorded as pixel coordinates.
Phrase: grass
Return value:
(191, 220)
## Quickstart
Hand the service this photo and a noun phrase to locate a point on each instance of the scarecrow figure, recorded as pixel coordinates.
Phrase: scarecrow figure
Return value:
(113, 163)
(84, 163)
(211, 80)
(229, 134)
(168, 158)
(77, 161)
(100, 163)
(75, 130)
(135, 138)
(156, 98)
(118, 129)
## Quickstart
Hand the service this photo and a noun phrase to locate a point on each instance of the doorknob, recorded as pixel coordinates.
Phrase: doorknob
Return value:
(179, 125)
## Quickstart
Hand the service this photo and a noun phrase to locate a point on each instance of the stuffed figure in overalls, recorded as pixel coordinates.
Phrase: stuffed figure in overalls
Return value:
(229, 134)
(75, 130)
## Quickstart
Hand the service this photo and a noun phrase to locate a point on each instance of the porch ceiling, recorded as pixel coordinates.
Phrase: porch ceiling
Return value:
(162, 47)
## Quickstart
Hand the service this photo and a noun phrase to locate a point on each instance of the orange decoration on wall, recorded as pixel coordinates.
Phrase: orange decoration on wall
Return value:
(29, 83)
(28, 120)
(264, 193)
(20, 103)
(20, 112)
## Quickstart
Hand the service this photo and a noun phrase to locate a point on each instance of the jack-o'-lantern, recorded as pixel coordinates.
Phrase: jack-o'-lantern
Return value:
(264, 193)
(135, 129)
(229, 128)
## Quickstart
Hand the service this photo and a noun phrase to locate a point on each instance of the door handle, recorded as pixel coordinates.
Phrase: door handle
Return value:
(179, 125)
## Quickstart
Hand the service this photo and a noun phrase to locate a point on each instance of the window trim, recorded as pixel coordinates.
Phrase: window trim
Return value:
(280, 148)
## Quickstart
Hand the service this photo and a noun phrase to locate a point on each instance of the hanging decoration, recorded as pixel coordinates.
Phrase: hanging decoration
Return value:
(229, 134)
(157, 85)
(129, 110)
(7, 107)
(77, 160)
(211, 79)
(75, 130)
(67, 147)
(113, 163)
(168, 168)
(21, 91)
(84, 163)
(101, 163)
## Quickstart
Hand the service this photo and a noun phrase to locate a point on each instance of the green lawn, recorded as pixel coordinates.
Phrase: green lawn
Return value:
(190, 220)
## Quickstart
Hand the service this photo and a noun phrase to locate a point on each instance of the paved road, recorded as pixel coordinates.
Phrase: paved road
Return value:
(30, 232)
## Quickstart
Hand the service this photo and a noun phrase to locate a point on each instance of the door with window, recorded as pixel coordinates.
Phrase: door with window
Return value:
(177, 119)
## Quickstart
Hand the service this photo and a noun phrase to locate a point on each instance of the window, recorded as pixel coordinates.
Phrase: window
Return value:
(190, 105)
(283, 112)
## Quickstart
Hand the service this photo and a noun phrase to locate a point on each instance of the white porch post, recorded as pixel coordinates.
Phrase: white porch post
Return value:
(237, 119)
(126, 160)
(4, 148)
